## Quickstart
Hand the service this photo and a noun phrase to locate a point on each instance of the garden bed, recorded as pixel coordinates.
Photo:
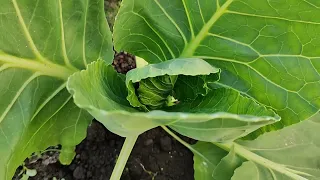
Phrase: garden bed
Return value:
(155, 156)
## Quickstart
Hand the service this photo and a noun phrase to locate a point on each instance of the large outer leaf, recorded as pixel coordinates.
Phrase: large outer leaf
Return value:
(42, 42)
(266, 49)
(245, 118)
(291, 153)
(207, 160)
(210, 119)
(226, 166)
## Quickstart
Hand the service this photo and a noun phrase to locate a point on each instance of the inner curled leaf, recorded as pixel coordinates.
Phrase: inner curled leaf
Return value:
(156, 92)
(165, 84)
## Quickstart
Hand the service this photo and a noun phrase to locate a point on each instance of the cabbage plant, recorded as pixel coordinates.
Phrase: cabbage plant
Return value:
(231, 74)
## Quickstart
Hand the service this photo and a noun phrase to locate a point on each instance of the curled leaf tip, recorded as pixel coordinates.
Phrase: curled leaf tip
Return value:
(67, 155)
(155, 92)
(161, 85)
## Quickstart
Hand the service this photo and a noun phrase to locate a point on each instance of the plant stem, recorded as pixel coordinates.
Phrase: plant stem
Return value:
(123, 157)
(243, 152)
(177, 137)
(187, 145)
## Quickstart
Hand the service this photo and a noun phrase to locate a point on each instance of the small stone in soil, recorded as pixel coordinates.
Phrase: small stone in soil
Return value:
(78, 156)
(89, 174)
(166, 143)
(135, 171)
(148, 142)
(72, 167)
(79, 173)
(50, 159)
(156, 149)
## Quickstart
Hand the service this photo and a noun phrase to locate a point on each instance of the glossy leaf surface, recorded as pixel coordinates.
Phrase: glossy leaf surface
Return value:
(267, 50)
(290, 153)
(43, 42)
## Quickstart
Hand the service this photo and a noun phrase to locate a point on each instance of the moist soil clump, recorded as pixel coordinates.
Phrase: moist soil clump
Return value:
(155, 156)
(124, 62)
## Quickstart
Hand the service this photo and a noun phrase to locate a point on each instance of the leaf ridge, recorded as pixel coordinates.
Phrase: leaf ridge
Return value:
(4, 134)
(33, 13)
(255, 158)
(246, 64)
(173, 22)
(84, 35)
(63, 43)
(311, 4)
(209, 128)
(271, 172)
(272, 17)
(235, 41)
(24, 85)
(188, 16)
(59, 89)
(157, 33)
(277, 149)
(27, 33)
(4, 67)
(201, 13)
(44, 122)
(192, 46)
(76, 125)
(160, 48)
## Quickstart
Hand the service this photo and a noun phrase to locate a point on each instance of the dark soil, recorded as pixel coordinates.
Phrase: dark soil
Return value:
(155, 156)
(111, 9)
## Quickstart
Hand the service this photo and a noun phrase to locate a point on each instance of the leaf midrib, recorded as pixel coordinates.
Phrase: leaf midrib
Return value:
(195, 42)
(43, 68)
(40, 64)
(192, 46)
(255, 158)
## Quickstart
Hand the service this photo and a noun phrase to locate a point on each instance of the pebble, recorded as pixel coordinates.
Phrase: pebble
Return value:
(72, 167)
(166, 143)
(148, 142)
(79, 173)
